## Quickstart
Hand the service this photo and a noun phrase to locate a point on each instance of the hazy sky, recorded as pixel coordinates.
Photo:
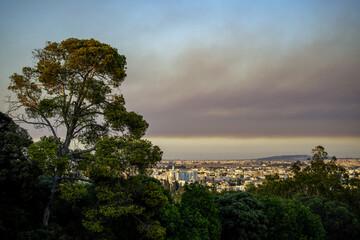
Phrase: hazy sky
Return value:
(215, 79)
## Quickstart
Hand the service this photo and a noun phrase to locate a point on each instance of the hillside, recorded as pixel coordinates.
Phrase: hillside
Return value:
(286, 157)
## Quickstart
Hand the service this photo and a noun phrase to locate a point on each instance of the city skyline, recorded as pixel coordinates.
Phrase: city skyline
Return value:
(215, 80)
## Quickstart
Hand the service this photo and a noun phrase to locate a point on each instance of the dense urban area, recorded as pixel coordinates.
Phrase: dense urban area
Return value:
(236, 174)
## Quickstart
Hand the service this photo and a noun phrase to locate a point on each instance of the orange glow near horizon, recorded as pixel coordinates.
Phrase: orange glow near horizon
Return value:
(200, 148)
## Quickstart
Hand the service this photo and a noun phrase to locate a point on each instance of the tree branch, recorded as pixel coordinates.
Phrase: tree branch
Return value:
(76, 178)
(139, 220)
(82, 151)
(89, 113)
(33, 123)
(51, 128)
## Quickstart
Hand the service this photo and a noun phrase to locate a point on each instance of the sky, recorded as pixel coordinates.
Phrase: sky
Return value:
(215, 79)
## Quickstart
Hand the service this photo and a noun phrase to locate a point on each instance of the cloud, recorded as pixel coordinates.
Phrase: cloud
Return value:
(251, 87)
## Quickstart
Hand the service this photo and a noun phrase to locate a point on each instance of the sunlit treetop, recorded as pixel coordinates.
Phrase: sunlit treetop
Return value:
(71, 85)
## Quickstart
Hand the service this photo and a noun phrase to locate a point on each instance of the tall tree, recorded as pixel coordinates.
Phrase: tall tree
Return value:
(322, 177)
(72, 91)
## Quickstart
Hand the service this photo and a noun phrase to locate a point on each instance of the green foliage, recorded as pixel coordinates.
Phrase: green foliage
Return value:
(242, 216)
(47, 107)
(352, 194)
(172, 220)
(45, 154)
(115, 113)
(18, 176)
(154, 198)
(199, 198)
(14, 164)
(289, 219)
(337, 218)
(273, 185)
(195, 225)
(195, 218)
(153, 230)
(123, 156)
(325, 183)
(137, 200)
(137, 126)
(320, 178)
(72, 192)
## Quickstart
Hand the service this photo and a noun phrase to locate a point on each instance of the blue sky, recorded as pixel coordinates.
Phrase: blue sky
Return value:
(215, 79)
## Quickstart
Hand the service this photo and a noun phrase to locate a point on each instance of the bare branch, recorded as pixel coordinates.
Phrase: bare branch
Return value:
(14, 104)
(28, 122)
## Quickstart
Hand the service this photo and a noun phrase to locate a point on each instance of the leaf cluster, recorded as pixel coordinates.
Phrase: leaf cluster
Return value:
(196, 217)
(124, 204)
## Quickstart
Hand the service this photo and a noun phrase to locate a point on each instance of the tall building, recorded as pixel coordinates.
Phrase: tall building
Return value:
(187, 176)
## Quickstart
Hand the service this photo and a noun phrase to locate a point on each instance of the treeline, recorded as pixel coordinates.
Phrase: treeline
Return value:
(318, 202)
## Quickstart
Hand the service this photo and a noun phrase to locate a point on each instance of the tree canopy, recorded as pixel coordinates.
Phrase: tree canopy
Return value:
(322, 177)
(196, 217)
(73, 91)
(73, 84)
(242, 216)
(337, 218)
(325, 187)
(289, 219)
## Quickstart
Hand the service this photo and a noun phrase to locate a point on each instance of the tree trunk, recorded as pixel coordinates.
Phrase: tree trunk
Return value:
(50, 202)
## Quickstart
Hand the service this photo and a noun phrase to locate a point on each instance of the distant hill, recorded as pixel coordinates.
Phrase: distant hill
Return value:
(286, 157)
